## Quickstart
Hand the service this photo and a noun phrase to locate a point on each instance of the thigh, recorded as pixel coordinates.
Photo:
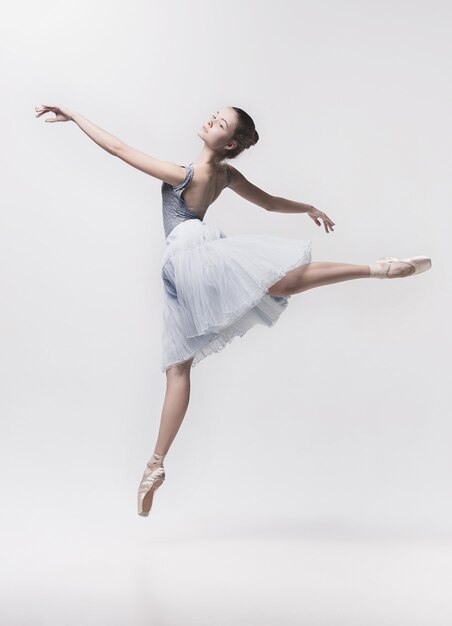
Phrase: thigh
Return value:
(289, 284)
(280, 288)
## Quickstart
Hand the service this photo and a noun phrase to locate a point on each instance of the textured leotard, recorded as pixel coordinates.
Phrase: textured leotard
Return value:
(174, 207)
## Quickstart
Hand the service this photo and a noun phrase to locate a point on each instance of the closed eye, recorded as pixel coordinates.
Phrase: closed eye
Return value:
(221, 125)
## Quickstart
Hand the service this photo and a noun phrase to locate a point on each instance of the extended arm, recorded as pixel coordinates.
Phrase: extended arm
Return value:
(163, 170)
(283, 205)
(104, 139)
(254, 194)
(261, 198)
(171, 173)
(63, 114)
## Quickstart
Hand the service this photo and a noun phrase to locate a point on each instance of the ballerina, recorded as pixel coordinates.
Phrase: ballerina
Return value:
(216, 287)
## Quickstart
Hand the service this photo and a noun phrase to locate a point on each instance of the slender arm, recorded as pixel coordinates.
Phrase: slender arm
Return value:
(283, 205)
(104, 139)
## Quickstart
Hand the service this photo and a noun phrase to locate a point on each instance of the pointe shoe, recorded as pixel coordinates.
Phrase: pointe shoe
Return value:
(380, 269)
(151, 480)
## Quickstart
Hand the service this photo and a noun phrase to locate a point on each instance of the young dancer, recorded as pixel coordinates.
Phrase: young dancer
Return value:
(217, 287)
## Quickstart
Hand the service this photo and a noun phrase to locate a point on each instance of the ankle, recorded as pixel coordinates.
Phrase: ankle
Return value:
(378, 269)
(156, 459)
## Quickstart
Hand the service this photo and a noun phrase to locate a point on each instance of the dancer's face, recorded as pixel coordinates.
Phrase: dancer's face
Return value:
(220, 127)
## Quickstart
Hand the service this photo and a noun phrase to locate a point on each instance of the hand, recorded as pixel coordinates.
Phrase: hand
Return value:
(61, 114)
(316, 214)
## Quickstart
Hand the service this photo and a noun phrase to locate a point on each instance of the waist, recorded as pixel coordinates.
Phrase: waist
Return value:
(193, 223)
(171, 220)
(190, 234)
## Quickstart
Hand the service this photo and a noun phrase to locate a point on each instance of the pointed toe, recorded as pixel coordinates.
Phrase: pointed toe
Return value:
(151, 481)
(380, 269)
(421, 263)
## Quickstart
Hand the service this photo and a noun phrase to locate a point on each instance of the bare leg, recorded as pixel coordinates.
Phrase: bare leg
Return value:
(173, 412)
(174, 407)
(321, 273)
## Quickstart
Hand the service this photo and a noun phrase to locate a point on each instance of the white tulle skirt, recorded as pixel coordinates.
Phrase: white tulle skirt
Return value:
(215, 287)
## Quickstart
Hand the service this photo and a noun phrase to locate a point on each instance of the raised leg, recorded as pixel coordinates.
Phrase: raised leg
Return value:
(321, 273)
(317, 274)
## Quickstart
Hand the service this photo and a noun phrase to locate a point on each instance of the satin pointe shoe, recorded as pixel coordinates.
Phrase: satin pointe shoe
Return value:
(152, 479)
(380, 269)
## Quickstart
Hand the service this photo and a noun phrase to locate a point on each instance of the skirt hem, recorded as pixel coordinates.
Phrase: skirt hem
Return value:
(222, 338)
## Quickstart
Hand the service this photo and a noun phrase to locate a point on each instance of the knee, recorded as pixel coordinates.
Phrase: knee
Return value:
(179, 370)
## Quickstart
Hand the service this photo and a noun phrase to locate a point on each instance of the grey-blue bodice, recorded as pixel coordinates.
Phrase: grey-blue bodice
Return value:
(174, 208)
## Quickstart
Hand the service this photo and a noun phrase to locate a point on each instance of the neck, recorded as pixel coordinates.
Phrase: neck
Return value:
(207, 156)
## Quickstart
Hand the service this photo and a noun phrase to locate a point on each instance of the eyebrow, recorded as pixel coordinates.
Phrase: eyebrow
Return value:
(224, 120)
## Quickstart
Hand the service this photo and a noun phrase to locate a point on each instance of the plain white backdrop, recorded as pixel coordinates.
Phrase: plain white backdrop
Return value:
(310, 482)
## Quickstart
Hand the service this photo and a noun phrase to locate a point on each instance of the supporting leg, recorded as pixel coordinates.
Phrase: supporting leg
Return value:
(174, 408)
(173, 412)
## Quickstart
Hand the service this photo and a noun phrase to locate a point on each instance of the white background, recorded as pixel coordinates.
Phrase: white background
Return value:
(311, 479)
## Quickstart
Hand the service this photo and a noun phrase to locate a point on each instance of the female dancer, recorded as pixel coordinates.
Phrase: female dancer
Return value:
(216, 287)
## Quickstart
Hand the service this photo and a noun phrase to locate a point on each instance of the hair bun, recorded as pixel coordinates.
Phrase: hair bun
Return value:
(245, 134)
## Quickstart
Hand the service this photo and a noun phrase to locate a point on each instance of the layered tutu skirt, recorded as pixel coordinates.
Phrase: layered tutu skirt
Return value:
(215, 287)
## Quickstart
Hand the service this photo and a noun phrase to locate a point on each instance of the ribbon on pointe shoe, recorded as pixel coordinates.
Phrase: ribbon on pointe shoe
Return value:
(155, 460)
(380, 269)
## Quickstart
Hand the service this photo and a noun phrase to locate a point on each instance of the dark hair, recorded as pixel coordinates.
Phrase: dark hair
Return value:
(245, 135)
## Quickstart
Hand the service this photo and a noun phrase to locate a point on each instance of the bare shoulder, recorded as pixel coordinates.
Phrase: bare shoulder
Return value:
(166, 171)
(246, 189)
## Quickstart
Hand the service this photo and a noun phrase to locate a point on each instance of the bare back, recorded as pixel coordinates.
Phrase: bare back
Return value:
(204, 188)
(191, 198)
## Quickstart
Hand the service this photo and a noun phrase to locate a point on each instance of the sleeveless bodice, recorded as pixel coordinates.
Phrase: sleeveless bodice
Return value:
(174, 208)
